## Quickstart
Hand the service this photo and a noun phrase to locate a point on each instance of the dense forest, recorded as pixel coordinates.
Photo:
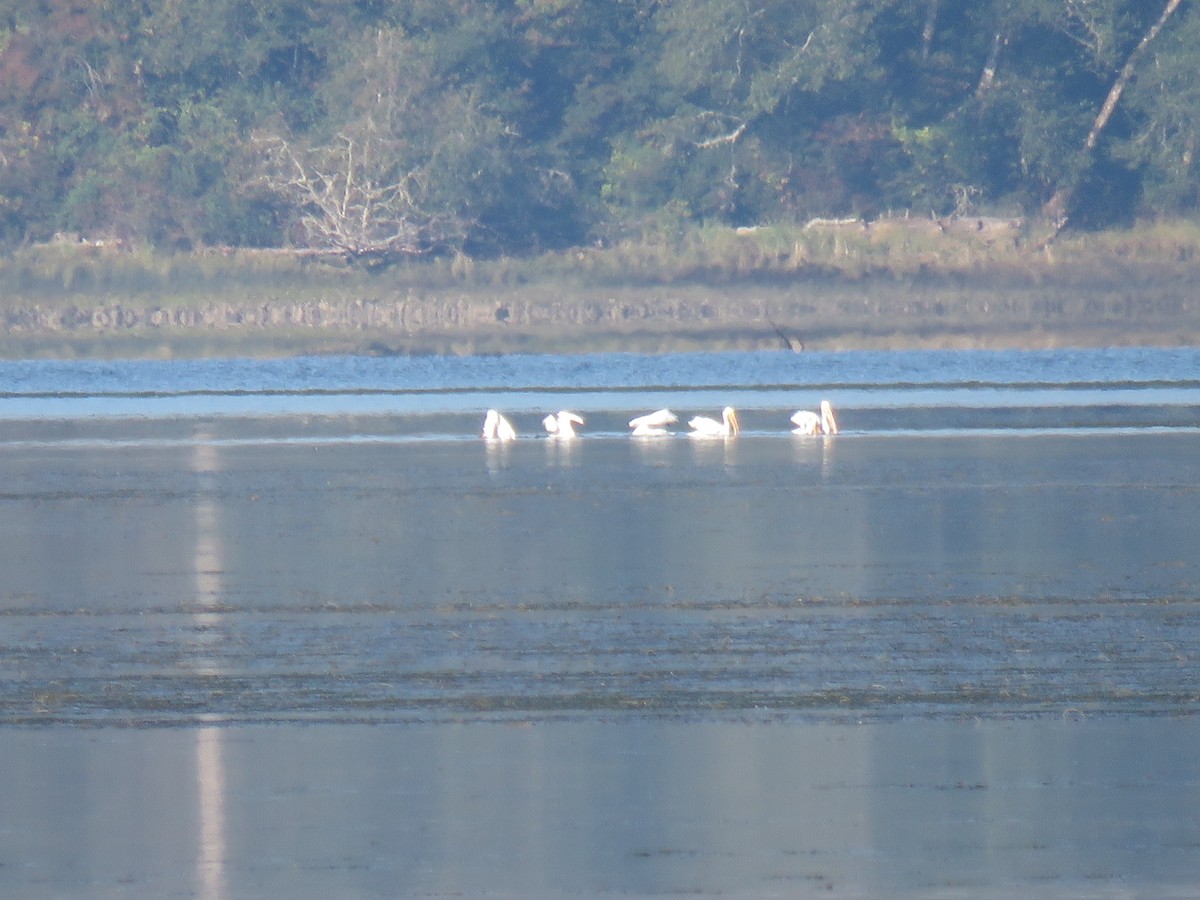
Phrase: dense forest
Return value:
(384, 129)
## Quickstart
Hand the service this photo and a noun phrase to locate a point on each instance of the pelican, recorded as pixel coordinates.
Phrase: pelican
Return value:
(702, 426)
(653, 424)
(562, 424)
(809, 422)
(497, 428)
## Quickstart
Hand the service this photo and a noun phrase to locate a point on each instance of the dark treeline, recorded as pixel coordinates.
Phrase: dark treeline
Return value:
(382, 129)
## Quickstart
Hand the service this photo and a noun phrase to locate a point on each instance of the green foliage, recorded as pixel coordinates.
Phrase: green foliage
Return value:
(542, 124)
(1161, 142)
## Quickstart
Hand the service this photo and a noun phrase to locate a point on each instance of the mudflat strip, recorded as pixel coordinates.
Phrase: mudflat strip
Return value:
(779, 313)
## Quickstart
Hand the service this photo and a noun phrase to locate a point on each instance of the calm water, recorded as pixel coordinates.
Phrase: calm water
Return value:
(881, 390)
(290, 627)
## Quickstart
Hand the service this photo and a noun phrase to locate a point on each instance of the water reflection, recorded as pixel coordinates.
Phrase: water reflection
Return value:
(693, 620)
(206, 559)
(815, 449)
(210, 775)
(208, 568)
(910, 809)
(654, 450)
(718, 451)
(497, 454)
(562, 453)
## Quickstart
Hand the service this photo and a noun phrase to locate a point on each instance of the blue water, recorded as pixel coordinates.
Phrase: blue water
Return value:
(774, 667)
(912, 390)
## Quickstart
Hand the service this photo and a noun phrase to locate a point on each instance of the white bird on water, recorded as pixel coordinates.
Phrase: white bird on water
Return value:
(562, 424)
(653, 424)
(809, 422)
(703, 426)
(497, 428)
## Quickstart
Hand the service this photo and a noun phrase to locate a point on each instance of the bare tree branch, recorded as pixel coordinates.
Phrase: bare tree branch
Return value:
(1079, 24)
(345, 203)
(731, 138)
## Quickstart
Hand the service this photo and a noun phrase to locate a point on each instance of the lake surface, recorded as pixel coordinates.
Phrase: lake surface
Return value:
(928, 389)
(291, 627)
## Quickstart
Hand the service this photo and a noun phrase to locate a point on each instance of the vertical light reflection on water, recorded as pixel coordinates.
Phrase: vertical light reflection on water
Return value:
(710, 451)
(210, 774)
(208, 566)
(821, 448)
(653, 450)
(498, 453)
(562, 454)
(848, 524)
(828, 452)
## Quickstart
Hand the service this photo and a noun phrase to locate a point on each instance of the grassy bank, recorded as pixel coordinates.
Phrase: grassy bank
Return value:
(897, 282)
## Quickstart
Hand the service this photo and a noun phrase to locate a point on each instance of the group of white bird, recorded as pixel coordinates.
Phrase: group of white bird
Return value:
(562, 424)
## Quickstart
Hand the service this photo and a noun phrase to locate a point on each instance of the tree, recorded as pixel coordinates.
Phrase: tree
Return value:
(351, 200)
(1165, 98)
(1059, 204)
(411, 164)
(742, 89)
(381, 128)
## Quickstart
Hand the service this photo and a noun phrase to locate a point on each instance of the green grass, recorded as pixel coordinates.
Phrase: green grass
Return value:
(896, 249)
(895, 283)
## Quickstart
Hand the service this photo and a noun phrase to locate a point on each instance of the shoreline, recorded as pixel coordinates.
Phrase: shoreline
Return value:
(717, 289)
(870, 315)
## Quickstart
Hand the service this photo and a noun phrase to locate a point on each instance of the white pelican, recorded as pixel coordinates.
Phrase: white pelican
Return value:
(653, 424)
(809, 422)
(702, 426)
(562, 424)
(497, 428)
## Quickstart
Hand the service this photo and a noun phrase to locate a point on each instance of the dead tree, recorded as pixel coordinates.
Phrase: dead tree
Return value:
(350, 203)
